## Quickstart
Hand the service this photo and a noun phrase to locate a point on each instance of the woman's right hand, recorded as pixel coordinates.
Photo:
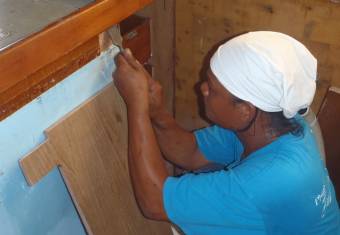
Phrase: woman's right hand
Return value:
(156, 98)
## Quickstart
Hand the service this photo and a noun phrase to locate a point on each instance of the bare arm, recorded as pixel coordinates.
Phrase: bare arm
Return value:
(178, 145)
(146, 165)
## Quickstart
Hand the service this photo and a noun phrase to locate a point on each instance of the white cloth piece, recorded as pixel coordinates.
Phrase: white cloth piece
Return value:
(271, 70)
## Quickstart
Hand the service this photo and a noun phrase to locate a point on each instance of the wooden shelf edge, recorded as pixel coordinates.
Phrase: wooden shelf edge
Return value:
(21, 60)
(37, 83)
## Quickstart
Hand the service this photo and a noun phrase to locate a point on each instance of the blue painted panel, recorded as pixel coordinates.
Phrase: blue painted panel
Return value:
(45, 208)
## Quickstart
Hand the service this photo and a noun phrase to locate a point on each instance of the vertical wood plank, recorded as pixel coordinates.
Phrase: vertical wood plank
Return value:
(162, 14)
(329, 120)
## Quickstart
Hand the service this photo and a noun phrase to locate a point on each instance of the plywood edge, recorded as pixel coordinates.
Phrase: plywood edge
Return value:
(109, 86)
(38, 163)
(76, 203)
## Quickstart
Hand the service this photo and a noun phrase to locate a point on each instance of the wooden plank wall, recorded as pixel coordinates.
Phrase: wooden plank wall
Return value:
(201, 24)
(162, 14)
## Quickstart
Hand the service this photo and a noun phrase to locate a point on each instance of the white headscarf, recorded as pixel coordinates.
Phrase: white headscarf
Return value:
(271, 70)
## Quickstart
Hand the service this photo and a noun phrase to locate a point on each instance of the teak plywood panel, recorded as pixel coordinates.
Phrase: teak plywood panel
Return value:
(90, 148)
(202, 24)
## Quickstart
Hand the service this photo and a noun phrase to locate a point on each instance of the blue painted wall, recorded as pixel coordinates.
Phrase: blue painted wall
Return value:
(45, 208)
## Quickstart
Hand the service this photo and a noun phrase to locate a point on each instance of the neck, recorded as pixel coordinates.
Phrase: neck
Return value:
(258, 135)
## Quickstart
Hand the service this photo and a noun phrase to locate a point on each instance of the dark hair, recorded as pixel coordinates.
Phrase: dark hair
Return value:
(282, 124)
(279, 123)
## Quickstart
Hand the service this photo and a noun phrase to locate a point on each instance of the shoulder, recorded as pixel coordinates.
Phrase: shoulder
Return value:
(219, 133)
(285, 183)
(290, 162)
(288, 172)
(218, 144)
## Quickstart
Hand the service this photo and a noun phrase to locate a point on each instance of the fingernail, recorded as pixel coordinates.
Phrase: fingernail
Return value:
(128, 51)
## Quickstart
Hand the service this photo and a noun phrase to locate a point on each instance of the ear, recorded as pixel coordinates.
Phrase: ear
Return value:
(246, 112)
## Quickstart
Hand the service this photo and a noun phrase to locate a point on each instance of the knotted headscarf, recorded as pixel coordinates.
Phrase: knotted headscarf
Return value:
(271, 70)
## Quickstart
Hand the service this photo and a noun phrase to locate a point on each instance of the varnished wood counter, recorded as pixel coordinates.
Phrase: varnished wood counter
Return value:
(33, 65)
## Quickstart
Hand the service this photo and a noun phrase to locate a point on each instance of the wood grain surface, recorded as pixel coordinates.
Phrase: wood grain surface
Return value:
(162, 14)
(90, 148)
(136, 36)
(202, 24)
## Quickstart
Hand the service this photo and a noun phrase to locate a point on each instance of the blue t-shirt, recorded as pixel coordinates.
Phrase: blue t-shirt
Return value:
(282, 188)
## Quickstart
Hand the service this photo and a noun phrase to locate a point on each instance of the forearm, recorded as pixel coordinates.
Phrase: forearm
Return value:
(177, 145)
(146, 165)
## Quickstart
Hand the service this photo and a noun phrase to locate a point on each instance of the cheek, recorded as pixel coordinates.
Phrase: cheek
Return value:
(220, 112)
(213, 108)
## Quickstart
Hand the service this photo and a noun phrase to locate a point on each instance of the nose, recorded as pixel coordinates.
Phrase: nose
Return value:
(204, 89)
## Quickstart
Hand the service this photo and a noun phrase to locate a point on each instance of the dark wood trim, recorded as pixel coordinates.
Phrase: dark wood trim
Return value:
(135, 32)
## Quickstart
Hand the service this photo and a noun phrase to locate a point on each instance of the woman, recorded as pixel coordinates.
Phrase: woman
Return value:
(273, 180)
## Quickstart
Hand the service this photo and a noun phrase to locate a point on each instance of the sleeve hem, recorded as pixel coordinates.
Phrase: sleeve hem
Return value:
(167, 195)
(199, 145)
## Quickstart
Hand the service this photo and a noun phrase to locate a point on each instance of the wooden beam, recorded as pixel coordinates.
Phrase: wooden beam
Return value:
(329, 117)
(22, 59)
(162, 15)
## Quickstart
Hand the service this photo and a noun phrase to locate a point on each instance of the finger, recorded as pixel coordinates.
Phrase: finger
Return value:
(154, 86)
(115, 75)
(135, 63)
(130, 58)
(120, 60)
(151, 80)
(121, 65)
(151, 83)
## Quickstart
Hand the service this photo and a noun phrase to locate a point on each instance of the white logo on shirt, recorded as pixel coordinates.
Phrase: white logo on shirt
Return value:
(324, 199)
